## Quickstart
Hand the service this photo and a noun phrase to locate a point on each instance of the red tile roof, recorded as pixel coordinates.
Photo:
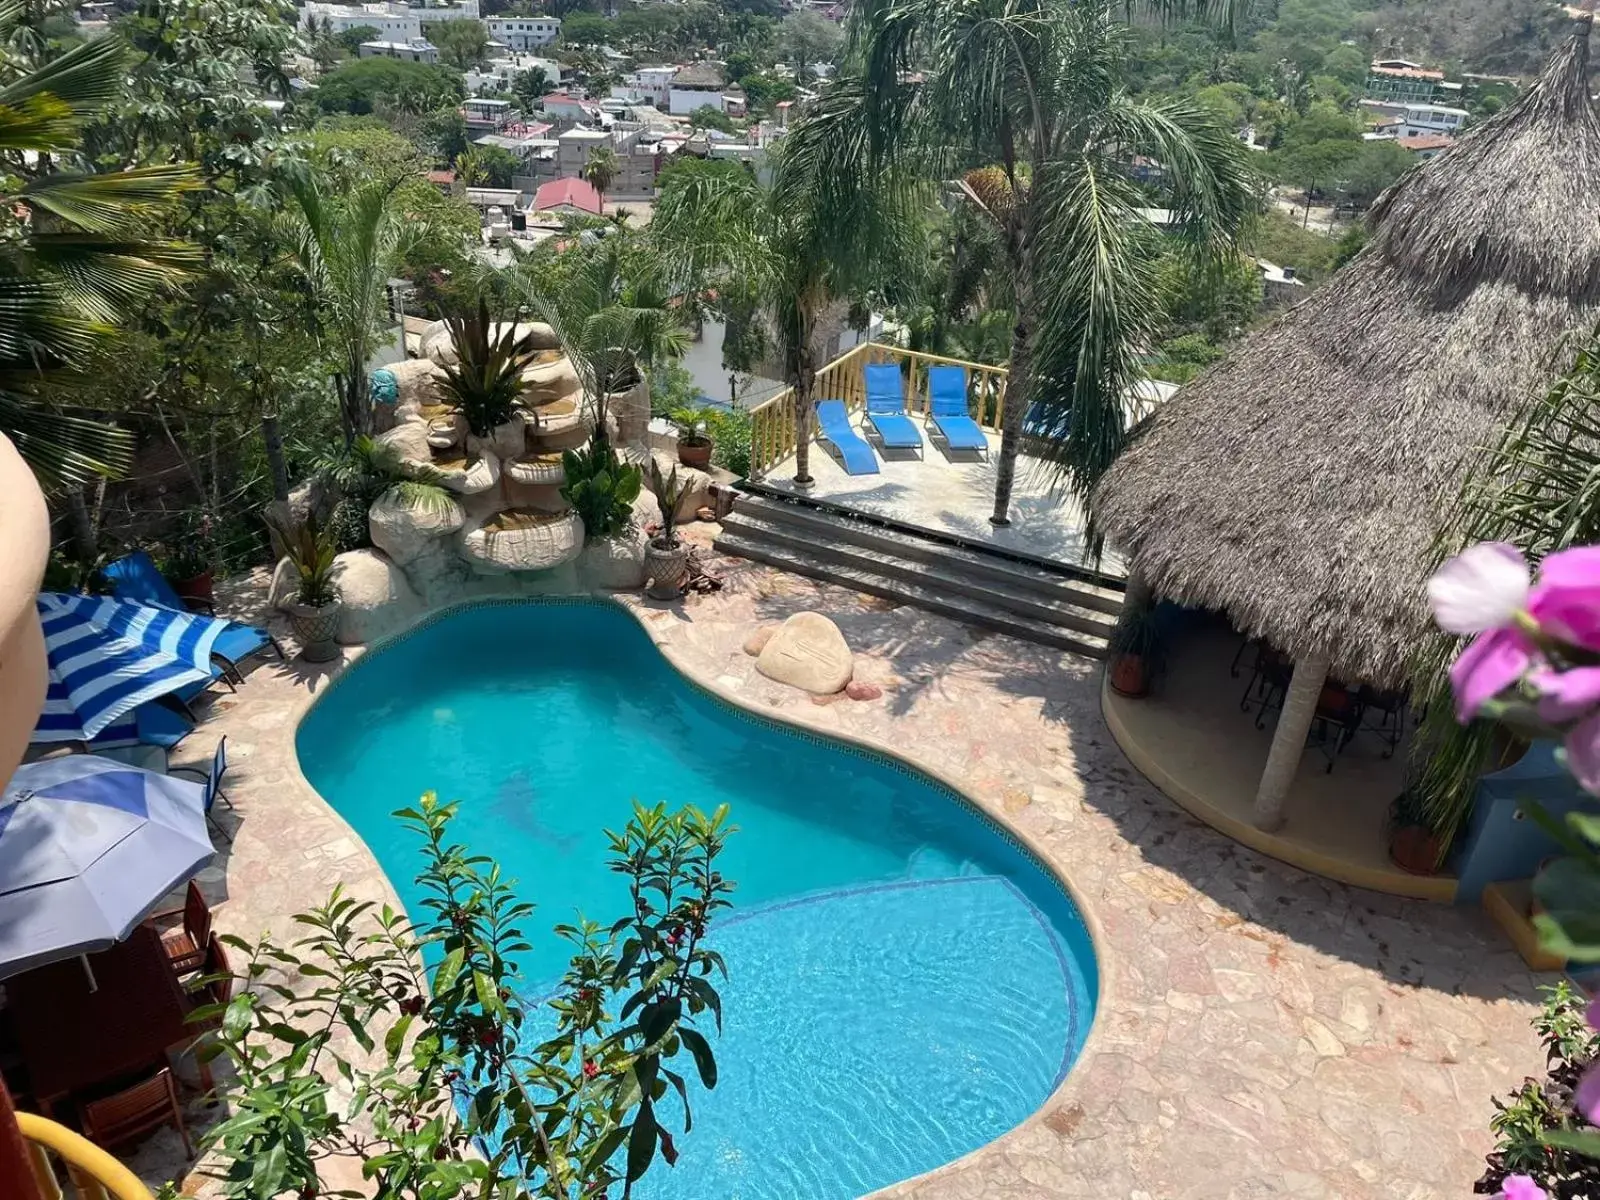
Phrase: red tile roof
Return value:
(441, 176)
(575, 193)
(1426, 141)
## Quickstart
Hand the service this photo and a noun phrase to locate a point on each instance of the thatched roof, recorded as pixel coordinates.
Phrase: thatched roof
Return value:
(1298, 485)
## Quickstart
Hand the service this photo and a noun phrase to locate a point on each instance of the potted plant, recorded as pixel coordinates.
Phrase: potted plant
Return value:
(189, 562)
(667, 556)
(600, 488)
(1135, 652)
(315, 612)
(1413, 845)
(694, 435)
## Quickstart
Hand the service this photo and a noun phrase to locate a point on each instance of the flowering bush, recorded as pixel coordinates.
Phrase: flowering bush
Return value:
(1534, 663)
(434, 1081)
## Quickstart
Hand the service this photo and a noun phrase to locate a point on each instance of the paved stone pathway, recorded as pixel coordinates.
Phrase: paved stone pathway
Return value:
(1262, 1033)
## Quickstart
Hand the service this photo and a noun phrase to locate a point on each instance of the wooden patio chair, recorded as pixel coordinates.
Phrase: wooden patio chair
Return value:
(214, 986)
(186, 945)
(121, 1117)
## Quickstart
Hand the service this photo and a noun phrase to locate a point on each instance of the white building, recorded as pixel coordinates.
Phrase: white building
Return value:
(487, 116)
(501, 73)
(1420, 119)
(559, 106)
(416, 50)
(394, 22)
(647, 85)
(524, 33)
(695, 87)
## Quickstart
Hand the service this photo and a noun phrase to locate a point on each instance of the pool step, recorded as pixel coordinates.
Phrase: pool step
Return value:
(1026, 601)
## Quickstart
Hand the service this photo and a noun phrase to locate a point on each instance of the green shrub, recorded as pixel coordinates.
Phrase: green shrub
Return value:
(601, 488)
(730, 431)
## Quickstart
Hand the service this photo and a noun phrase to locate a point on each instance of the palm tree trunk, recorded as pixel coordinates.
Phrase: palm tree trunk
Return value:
(342, 394)
(804, 378)
(84, 536)
(1016, 395)
(272, 439)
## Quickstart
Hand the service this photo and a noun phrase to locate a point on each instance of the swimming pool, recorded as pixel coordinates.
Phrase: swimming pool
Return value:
(905, 982)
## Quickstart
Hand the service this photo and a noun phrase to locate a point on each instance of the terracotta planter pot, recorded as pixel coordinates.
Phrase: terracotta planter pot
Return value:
(1129, 676)
(666, 568)
(1416, 850)
(695, 454)
(197, 587)
(317, 629)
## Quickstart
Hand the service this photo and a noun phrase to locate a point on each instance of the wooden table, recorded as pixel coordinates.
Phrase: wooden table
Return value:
(72, 1037)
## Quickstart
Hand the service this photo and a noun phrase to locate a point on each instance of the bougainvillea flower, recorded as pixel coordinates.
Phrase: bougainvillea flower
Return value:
(1482, 588)
(1566, 602)
(1521, 1187)
(1491, 663)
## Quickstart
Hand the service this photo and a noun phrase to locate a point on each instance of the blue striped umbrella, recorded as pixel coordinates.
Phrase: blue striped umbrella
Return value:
(108, 656)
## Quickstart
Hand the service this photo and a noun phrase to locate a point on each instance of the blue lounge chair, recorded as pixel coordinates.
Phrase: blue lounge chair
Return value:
(947, 409)
(1040, 424)
(833, 427)
(886, 409)
(212, 779)
(136, 578)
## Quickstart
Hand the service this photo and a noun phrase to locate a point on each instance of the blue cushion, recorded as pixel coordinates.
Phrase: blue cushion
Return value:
(898, 432)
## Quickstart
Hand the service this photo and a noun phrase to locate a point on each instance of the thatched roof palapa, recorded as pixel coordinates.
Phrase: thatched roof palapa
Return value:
(1299, 484)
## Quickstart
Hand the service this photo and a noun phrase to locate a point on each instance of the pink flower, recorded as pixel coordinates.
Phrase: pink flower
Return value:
(1592, 1013)
(1587, 1095)
(1482, 588)
(1583, 753)
(1491, 663)
(1522, 1187)
(1566, 695)
(1567, 601)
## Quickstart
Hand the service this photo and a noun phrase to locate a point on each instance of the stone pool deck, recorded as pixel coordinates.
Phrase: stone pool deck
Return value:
(1261, 1033)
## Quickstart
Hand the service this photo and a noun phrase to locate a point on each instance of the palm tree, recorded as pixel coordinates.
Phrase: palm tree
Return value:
(601, 170)
(947, 85)
(349, 246)
(615, 315)
(827, 230)
(77, 256)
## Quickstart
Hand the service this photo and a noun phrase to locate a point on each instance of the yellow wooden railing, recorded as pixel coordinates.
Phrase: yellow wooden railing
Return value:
(772, 423)
(92, 1174)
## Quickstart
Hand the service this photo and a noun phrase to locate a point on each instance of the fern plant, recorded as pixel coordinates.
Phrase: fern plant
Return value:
(487, 376)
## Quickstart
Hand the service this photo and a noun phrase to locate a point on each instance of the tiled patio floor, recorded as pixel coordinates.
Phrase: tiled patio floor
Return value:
(1262, 1033)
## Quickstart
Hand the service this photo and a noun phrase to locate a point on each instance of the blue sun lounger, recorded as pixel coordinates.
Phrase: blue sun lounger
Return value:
(886, 409)
(136, 578)
(833, 427)
(947, 409)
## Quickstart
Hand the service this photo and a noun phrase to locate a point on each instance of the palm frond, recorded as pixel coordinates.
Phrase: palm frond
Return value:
(107, 203)
(61, 447)
(84, 79)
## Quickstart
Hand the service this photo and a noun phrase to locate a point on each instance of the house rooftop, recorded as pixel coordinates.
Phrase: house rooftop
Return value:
(700, 75)
(1426, 141)
(568, 193)
(1396, 68)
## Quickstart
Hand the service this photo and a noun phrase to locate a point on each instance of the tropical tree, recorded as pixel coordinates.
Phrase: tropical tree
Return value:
(77, 255)
(348, 246)
(601, 171)
(1036, 83)
(825, 231)
(614, 312)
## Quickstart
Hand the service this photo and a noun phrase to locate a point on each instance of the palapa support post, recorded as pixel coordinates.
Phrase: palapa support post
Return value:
(1289, 741)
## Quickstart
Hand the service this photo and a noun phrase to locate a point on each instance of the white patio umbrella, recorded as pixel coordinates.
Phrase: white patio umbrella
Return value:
(88, 847)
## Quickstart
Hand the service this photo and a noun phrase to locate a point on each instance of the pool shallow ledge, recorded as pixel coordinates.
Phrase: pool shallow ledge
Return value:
(1103, 984)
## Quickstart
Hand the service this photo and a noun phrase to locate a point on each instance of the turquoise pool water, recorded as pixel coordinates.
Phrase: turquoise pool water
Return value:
(905, 984)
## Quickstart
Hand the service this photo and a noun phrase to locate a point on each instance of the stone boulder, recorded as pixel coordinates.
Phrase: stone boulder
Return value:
(469, 476)
(646, 510)
(632, 412)
(808, 652)
(548, 542)
(435, 344)
(376, 597)
(614, 563)
(285, 583)
(403, 531)
(695, 486)
(410, 439)
(504, 441)
(446, 431)
(416, 380)
(309, 499)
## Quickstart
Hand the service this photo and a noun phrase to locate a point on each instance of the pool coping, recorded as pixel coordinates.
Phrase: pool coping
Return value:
(635, 607)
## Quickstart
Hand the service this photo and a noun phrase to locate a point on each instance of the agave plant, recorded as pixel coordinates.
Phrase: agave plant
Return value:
(487, 377)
